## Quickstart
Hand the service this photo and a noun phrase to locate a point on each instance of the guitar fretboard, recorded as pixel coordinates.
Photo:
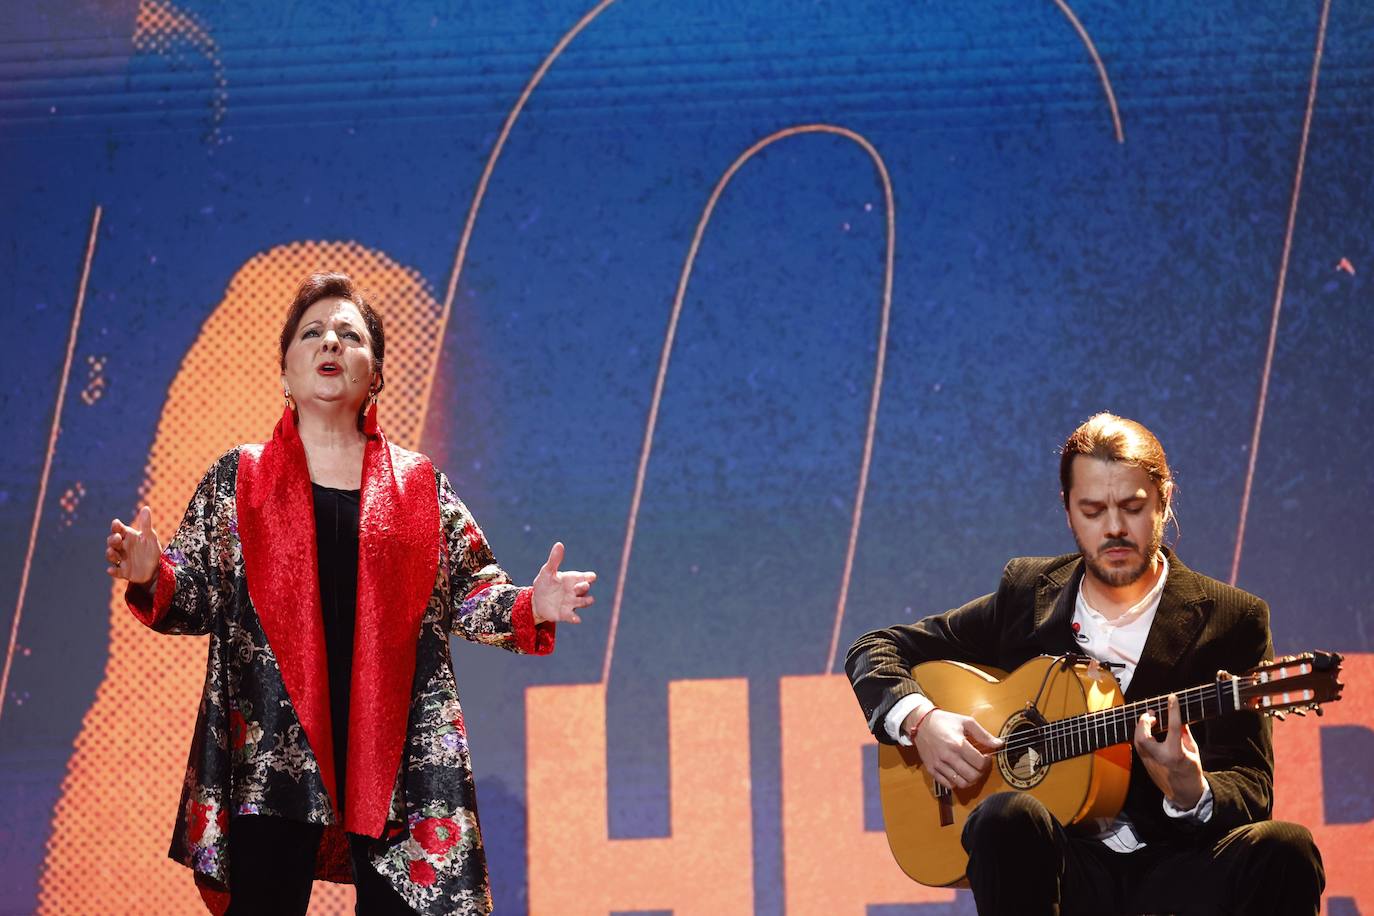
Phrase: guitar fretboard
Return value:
(1089, 732)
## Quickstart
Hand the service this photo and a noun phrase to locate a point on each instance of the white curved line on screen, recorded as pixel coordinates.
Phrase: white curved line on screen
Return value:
(460, 258)
(647, 447)
(479, 195)
(1097, 62)
(53, 433)
(1278, 295)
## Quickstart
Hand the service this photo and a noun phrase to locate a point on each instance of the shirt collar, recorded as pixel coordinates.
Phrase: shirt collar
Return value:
(1145, 605)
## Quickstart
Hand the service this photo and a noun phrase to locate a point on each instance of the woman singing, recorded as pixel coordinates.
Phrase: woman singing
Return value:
(329, 567)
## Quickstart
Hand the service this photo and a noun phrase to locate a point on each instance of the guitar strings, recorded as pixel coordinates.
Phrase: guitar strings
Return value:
(1066, 732)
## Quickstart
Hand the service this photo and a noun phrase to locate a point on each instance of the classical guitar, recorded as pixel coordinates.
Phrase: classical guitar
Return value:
(1068, 739)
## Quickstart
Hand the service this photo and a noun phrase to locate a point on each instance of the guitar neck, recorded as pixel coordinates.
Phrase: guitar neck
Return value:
(1093, 731)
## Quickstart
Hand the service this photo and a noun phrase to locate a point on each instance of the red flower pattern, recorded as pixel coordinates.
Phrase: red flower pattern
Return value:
(422, 873)
(238, 729)
(199, 820)
(473, 535)
(437, 835)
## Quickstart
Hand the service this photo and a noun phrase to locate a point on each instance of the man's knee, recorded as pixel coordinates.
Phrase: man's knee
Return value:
(1282, 851)
(1282, 839)
(1007, 819)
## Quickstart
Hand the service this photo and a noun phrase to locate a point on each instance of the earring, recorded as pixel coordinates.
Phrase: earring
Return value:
(290, 401)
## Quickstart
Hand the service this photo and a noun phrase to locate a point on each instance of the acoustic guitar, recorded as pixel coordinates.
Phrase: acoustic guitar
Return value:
(1068, 739)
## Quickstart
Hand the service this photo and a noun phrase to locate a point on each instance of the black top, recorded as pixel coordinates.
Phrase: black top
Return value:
(336, 548)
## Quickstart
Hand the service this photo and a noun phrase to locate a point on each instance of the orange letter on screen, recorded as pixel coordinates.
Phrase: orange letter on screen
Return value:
(831, 864)
(706, 867)
(1347, 849)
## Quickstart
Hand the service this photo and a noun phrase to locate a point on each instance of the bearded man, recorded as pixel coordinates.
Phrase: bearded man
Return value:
(1194, 834)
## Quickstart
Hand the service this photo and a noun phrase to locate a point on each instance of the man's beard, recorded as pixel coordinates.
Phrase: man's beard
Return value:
(1118, 577)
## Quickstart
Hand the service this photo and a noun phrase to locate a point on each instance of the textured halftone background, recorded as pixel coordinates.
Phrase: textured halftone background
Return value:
(1095, 208)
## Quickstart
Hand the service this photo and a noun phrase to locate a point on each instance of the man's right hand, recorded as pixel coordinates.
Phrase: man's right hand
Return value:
(952, 747)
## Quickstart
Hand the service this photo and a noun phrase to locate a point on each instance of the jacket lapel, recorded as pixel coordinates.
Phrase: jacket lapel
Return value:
(1181, 614)
(1055, 595)
(276, 515)
(398, 558)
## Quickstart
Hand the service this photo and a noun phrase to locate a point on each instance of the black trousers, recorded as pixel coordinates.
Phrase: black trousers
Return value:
(272, 870)
(1022, 861)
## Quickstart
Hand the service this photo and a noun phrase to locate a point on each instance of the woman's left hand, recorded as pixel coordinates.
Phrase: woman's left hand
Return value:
(558, 595)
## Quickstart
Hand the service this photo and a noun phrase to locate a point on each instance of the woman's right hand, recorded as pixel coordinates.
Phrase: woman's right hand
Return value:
(134, 551)
(954, 748)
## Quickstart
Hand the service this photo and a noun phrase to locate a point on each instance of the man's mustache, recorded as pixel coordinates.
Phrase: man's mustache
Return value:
(1113, 543)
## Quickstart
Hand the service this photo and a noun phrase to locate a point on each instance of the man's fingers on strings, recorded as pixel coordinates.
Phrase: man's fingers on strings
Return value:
(972, 756)
(961, 769)
(1146, 741)
(985, 739)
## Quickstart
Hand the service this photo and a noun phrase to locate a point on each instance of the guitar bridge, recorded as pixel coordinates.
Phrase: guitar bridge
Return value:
(945, 801)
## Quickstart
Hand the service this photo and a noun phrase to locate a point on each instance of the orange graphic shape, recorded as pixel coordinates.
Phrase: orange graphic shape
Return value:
(705, 868)
(1347, 849)
(831, 864)
(113, 820)
(162, 28)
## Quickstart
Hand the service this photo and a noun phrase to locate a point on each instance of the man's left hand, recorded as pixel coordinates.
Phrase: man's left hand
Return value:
(1174, 764)
(558, 595)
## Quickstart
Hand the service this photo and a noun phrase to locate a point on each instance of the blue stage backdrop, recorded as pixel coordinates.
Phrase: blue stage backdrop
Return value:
(775, 312)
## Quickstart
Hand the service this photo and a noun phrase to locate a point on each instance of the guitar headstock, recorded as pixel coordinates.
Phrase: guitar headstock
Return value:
(1293, 683)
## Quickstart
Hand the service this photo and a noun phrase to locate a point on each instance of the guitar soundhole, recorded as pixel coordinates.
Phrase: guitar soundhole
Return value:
(1023, 764)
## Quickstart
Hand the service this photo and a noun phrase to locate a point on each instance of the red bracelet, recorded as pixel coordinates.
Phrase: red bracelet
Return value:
(919, 721)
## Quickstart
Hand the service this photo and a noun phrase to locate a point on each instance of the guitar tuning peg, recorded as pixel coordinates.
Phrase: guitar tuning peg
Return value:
(1317, 708)
(1278, 714)
(1300, 711)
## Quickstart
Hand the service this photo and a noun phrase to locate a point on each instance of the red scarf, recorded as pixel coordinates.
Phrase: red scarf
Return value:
(399, 543)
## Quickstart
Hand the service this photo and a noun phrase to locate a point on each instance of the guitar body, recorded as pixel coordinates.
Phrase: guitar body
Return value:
(924, 827)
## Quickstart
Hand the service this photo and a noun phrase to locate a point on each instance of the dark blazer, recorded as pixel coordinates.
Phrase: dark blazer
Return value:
(1202, 626)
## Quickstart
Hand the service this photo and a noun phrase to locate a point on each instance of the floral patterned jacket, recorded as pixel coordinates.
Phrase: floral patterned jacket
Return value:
(241, 569)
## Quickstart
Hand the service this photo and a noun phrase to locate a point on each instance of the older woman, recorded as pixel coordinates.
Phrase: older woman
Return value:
(329, 567)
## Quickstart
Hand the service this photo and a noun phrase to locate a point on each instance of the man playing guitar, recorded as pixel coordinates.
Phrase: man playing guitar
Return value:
(1194, 834)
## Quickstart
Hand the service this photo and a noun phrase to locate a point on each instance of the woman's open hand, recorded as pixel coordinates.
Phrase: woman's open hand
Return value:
(558, 595)
(133, 551)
